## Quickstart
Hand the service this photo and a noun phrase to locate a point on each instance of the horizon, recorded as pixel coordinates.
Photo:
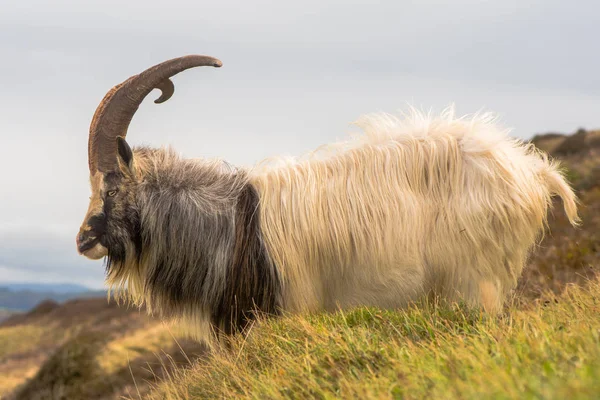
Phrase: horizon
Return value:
(9, 284)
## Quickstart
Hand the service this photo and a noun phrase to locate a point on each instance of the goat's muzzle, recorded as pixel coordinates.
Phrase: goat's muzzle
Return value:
(88, 245)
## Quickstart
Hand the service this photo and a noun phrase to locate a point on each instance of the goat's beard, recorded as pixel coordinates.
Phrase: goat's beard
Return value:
(122, 253)
(124, 244)
(124, 275)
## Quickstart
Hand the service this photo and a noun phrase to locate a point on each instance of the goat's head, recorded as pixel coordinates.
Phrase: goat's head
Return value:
(110, 223)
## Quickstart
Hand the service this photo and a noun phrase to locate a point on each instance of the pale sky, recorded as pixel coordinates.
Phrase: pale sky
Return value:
(294, 75)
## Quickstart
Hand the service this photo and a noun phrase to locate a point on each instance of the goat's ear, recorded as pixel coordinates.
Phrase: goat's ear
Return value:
(125, 153)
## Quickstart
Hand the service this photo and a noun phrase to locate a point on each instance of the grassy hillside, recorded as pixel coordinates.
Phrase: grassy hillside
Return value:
(545, 345)
(550, 349)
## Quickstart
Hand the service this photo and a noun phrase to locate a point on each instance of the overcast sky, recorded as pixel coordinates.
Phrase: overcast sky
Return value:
(295, 75)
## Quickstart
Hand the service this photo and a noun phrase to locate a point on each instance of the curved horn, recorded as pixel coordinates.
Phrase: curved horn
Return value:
(113, 115)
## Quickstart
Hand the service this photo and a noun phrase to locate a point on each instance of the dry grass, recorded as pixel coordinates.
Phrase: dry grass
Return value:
(86, 349)
(148, 340)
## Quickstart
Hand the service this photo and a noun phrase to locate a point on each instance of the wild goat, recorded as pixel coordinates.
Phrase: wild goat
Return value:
(413, 207)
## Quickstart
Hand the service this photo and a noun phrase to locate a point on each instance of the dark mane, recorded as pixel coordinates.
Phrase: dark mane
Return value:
(253, 281)
(200, 240)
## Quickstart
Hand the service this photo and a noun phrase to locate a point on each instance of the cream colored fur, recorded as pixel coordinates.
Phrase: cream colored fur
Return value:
(414, 206)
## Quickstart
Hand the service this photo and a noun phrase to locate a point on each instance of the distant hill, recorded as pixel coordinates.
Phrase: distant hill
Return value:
(45, 287)
(4, 313)
(23, 300)
(560, 145)
(579, 153)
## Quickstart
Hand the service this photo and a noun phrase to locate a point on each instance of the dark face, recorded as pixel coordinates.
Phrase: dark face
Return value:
(110, 225)
(91, 234)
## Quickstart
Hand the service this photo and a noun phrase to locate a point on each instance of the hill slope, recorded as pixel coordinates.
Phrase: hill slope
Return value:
(550, 349)
(84, 349)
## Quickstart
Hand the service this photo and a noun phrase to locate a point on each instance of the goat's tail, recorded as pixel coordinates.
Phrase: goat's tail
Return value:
(557, 184)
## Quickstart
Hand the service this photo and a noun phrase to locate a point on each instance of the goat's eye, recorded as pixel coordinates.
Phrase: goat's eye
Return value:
(111, 193)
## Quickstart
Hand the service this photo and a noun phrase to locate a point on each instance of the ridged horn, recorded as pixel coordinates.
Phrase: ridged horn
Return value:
(115, 111)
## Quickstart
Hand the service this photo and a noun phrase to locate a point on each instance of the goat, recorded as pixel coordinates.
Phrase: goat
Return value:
(413, 207)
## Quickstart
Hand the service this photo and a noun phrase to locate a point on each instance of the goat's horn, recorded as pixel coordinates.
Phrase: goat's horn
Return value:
(116, 110)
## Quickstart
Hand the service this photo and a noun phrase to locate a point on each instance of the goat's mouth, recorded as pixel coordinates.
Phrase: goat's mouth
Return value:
(82, 247)
(92, 249)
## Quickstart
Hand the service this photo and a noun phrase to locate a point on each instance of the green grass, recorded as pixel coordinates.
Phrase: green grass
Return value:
(546, 349)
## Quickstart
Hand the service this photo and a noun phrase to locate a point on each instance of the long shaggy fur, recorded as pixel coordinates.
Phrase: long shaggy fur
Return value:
(412, 207)
(415, 206)
(201, 252)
